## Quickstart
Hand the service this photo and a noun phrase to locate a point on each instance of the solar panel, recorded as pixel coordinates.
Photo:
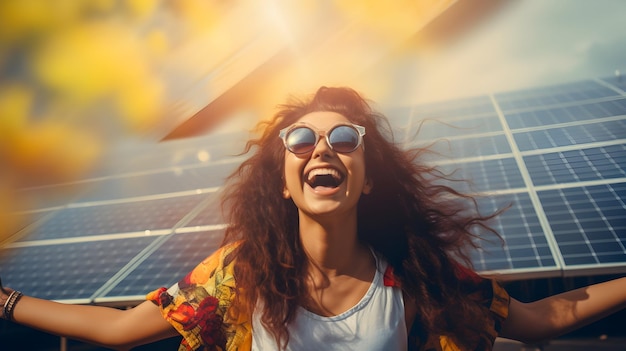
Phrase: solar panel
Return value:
(470, 106)
(68, 271)
(594, 132)
(211, 214)
(589, 224)
(553, 95)
(578, 165)
(152, 212)
(434, 129)
(167, 181)
(172, 260)
(469, 147)
(525, 250)
(116, 217)
(116, 220)
(564, 138)
(566, 114)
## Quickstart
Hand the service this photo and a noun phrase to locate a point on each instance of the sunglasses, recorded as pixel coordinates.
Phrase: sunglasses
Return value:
(343, 138)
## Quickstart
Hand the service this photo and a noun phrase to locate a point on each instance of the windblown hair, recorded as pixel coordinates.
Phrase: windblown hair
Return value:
(420, 226)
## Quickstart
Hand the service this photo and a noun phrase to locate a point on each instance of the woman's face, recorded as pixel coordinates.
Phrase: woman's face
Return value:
(324, 182)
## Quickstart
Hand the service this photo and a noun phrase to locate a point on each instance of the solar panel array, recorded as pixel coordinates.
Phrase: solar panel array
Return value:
(557, 153)
(142, 222)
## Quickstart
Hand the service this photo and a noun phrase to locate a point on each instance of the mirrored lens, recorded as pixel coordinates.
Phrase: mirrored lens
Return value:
(301, 140)
(344, 139)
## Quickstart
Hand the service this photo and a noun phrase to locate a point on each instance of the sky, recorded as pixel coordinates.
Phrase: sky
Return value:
(526, 44)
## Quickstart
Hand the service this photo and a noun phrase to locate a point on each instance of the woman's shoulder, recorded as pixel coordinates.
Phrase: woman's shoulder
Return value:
(198, 306)
(223, 256)
(220, 262)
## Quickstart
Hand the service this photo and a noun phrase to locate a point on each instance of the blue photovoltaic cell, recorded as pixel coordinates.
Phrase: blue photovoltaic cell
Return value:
(211, 214)
(126, 217)
(486, 175)
(571, 135)
(167, 181)
(588, 223)
(525, 246)
(169, 263)
(577, 165)
(473, 106)
(467, 147)
(430, 129)
(556, 115)
(553, 95)
(68, 271)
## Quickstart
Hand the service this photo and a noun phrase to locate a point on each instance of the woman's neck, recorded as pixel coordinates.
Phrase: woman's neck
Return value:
(341, 268)
(332, 246)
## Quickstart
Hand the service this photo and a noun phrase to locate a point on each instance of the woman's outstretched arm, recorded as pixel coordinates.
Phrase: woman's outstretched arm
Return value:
(565, 312)
(109, 327)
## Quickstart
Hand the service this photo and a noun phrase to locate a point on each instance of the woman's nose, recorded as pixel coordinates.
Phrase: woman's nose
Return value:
(322, 149)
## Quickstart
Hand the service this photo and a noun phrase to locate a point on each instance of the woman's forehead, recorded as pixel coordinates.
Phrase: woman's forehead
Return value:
(323, 119)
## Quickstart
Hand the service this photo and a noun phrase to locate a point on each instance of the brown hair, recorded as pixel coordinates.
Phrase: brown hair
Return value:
(421, 227)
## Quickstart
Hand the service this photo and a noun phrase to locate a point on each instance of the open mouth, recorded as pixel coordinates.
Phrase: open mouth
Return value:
(324, 177)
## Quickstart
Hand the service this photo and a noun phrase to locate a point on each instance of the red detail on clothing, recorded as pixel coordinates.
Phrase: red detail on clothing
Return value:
(210, 322)
(389, 279)
(211, 333)
(184, 314)
(211, 328)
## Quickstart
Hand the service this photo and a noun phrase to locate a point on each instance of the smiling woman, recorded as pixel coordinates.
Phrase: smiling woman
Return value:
(313, 247)
(337, 238)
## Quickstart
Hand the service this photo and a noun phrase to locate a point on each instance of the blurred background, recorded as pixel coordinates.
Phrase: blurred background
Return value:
(119, 121)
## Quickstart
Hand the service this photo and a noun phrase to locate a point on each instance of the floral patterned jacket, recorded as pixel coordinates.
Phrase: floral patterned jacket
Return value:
(199, 307)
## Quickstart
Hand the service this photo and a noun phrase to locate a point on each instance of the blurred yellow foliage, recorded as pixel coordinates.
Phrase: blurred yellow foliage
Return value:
(86, 62)
(54, 151)
(15, 104)
(141, 102)
(141, 9)
(33, 149)
(77, 73)
(104, 60)
(158, 43)
(199, 15)
(24, 19)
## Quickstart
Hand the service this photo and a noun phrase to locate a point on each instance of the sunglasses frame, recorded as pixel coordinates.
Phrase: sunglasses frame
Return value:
(284, 133)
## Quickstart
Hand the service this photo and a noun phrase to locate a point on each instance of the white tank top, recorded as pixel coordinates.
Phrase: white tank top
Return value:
(376, 323)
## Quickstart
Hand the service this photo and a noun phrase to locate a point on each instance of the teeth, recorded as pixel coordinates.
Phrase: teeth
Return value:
(323, 171)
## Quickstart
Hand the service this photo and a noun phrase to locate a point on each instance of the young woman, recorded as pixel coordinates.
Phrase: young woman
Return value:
(337, 239)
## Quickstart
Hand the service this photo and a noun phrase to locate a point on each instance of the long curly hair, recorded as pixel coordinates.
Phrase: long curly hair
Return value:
(423, 228)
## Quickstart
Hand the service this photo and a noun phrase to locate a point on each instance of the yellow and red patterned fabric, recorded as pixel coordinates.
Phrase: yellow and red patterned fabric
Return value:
(200, 308)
